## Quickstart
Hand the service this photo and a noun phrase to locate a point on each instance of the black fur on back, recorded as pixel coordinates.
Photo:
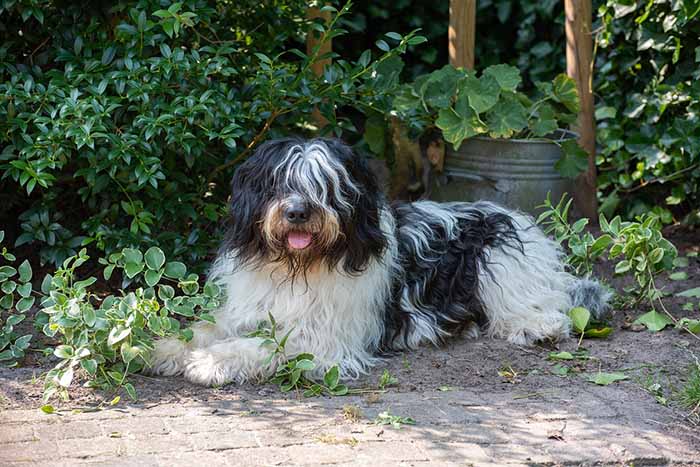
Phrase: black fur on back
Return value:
(442, 280)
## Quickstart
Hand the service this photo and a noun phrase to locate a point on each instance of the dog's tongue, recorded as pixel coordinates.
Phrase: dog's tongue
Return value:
(298, 240)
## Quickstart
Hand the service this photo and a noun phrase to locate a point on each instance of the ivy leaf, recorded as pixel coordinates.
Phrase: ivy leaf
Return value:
(132, 255)
(133, 269)
(604, 379)
(25, 271)
(331, 377)
(175, 270)
(155, 258)
(654, 321)
(483, 93)
(579, 318)
(564, 91)
(152, 277)
(437, 90)
(692, 325)
(506, 119)
(574, 160)
(690, 293)
(507, 76)
(25, 304)
(459, 123)
(678, 276)
(546, 122)
(128, 352)
(561, 355)
(117, 335)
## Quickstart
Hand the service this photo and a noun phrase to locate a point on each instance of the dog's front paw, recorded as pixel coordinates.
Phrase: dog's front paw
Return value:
(168, 358)
(206, 369)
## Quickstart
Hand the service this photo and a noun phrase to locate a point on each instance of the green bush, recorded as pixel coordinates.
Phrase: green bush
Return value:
(528, 34)
(648, 88)
(106, 338)
(121, 122)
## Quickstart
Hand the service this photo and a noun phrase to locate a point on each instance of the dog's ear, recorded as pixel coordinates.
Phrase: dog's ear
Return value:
(251, 188)
(364, 238)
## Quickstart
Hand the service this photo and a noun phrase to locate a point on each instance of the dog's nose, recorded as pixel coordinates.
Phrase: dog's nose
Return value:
(297, 213)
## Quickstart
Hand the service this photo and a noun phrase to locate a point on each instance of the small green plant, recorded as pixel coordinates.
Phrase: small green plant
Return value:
(292, 372)
(106, 338)
(462, 105)
(386, 418)
(15, 293)
(584, 326)
(638, 247)
(690, 392)
(386, 380)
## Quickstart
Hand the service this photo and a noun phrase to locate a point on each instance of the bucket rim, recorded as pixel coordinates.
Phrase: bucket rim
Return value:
(565, 135)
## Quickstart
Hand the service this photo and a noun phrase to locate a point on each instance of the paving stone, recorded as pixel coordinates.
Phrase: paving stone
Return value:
(452, 428)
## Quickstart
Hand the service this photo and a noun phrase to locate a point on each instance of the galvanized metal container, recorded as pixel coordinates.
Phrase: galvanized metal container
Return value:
(515, 172)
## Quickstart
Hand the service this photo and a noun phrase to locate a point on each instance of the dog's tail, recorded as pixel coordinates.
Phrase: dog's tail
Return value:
(589, 293)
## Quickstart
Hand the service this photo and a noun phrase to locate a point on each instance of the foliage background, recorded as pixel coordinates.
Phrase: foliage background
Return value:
(120, 122)
(645, 83)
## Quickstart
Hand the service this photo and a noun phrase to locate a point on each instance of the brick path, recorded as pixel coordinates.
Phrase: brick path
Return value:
(599, 426)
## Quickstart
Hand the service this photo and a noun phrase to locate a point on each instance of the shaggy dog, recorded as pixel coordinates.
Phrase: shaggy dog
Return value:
(314, 243)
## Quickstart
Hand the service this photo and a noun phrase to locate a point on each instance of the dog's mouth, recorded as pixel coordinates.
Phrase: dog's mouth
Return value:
(297, 240)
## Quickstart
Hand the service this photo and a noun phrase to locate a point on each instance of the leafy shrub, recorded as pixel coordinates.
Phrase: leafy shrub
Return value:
(108, 337)
(647, 68)
(638, 247)
(528, 34)
(15, 292)
(134, 114)
(462, 105)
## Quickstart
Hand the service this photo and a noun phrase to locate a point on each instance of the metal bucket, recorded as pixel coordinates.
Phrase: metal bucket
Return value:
(514, 172)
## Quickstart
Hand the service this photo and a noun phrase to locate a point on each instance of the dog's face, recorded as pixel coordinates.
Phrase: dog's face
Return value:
(303, 204)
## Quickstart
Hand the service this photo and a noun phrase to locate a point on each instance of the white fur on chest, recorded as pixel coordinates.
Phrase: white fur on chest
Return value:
(335, 316)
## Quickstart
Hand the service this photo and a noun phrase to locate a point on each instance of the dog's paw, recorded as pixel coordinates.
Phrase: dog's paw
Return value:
(205, 369)
(168, 358)
(552, 326)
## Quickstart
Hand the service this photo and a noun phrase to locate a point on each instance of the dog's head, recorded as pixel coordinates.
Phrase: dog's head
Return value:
(305, 204)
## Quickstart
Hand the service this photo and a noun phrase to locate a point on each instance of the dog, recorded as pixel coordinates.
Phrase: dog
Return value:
(313, 242)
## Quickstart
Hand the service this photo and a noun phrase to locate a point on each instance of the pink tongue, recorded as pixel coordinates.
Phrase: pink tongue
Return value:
(299, 240)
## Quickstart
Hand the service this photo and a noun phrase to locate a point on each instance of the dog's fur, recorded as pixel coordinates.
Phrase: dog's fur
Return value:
(375, 277)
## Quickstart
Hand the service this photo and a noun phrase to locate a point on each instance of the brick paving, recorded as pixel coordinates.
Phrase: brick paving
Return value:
(599, 425)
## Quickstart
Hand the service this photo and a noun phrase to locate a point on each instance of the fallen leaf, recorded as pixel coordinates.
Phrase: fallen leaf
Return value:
(692, 293)
(678, 276)
(654, 321)
(598, 332)
(603, 379)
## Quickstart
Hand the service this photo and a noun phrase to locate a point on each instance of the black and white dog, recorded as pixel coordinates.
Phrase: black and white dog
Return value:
(313, 242)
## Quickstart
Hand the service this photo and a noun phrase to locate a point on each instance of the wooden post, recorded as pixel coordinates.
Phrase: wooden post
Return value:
(317, 67)
(461, 33)
(579, 66)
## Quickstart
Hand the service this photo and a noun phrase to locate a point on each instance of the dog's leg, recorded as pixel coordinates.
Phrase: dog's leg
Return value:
(236, 359)
(171, 354)
(525, 296)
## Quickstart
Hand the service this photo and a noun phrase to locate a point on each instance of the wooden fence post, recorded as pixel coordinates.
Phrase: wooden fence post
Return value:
(317, 67)
(579, 66)
(461, 33)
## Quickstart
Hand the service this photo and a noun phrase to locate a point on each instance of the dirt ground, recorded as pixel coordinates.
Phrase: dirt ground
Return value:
(657, 366)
